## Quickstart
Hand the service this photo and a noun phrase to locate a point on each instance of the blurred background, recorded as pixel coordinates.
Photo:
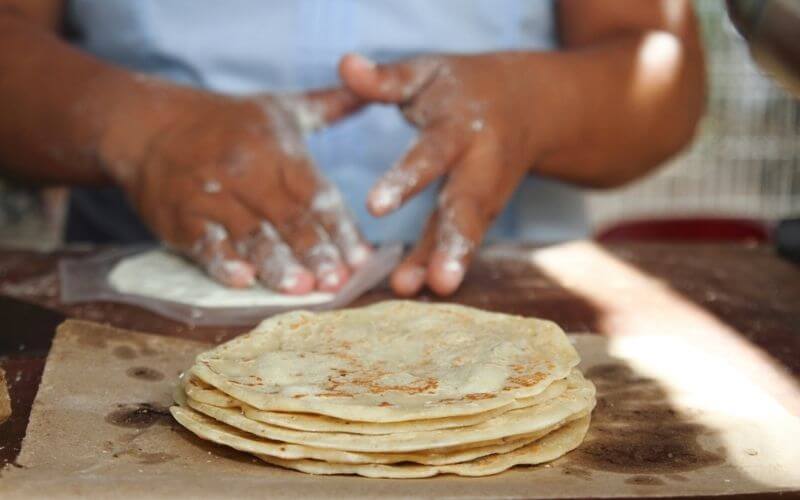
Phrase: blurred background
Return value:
(745, 160)
(744, 163)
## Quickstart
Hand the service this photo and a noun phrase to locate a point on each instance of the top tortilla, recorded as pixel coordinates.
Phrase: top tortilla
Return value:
(390, 362)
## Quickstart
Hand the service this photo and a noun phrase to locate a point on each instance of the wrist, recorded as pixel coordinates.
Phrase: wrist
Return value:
(139, 108)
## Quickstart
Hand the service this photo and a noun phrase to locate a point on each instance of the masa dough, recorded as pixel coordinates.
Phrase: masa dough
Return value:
(158, 274)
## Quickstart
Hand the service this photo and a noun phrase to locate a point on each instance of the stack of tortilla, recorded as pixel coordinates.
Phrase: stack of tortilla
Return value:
(398, 389)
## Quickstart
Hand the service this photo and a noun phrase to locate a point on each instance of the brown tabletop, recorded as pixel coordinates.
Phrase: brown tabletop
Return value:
(738, 299)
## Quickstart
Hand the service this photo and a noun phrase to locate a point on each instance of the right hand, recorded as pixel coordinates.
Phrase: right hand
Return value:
(228, 183)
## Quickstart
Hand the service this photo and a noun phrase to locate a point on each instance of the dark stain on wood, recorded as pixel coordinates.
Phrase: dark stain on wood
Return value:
(635, 430)
(144, 373)
(139, 416)
(645, 481)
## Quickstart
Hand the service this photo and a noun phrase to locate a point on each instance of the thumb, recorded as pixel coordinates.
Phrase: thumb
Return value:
(314, 109)
(326, 106)
(388, 83)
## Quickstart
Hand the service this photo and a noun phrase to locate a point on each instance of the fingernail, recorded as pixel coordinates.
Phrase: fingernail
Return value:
(384, 200)
(359, 255)
(296, 282)
(452, 273)
(289, 282)
(332, 281)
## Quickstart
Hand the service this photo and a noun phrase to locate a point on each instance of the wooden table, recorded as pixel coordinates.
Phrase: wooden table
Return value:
(741, 299)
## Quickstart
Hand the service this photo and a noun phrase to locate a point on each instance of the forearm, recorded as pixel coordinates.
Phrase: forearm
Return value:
(64, 111)
(623, 106)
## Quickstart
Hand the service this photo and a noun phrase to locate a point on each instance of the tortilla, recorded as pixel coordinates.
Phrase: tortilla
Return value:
(214, 431)
(549, 447)
(204, 393)
(200, 393)
(390, 362)
(579, 397)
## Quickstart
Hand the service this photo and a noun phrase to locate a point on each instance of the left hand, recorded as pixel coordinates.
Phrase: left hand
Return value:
(474, 131)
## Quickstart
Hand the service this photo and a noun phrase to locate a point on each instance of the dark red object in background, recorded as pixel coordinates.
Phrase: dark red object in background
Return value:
(697, 229)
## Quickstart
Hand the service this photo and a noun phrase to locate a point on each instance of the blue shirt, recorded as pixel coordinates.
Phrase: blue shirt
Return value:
(246, 46)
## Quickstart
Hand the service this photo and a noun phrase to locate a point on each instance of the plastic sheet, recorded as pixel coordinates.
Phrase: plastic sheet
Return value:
(86, 280)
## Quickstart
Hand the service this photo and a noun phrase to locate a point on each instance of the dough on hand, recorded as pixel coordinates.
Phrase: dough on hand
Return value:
(160, 275)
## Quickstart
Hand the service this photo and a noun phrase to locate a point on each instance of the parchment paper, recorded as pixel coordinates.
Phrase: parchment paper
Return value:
(663, 426)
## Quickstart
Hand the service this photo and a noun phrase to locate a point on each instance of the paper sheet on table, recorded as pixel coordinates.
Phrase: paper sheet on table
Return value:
(86, 280)
(99, 426)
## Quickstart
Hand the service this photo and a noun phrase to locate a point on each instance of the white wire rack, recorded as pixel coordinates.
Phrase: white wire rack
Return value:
(745, 160)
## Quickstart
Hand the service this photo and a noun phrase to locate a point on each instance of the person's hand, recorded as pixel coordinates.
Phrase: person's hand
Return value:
(472, 131)
(228, 183)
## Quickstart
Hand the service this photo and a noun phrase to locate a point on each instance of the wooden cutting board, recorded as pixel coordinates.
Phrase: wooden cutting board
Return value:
(670, 421)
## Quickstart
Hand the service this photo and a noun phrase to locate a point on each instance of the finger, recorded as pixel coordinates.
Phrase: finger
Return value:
(334, 104)
(467, 205)
(207, 243)
(288, 208)
(264, 250)
(204, 227)
(313, 110)
(435, 150)
(390, 83)
(274, 262)
(458, 234)
(339, 223)
(313, 247)
(409, 277)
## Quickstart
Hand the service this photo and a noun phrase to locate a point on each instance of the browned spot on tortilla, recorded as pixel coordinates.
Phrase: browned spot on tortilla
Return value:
(525, 380)
(301, 322)
(428, 384)
(246, 384)
(335, 394)
(636, 430)
(385, 403)
(144, 373)
(342, 385)
(251, 381)
(474, 396)
(298, 396)
(645, 480)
